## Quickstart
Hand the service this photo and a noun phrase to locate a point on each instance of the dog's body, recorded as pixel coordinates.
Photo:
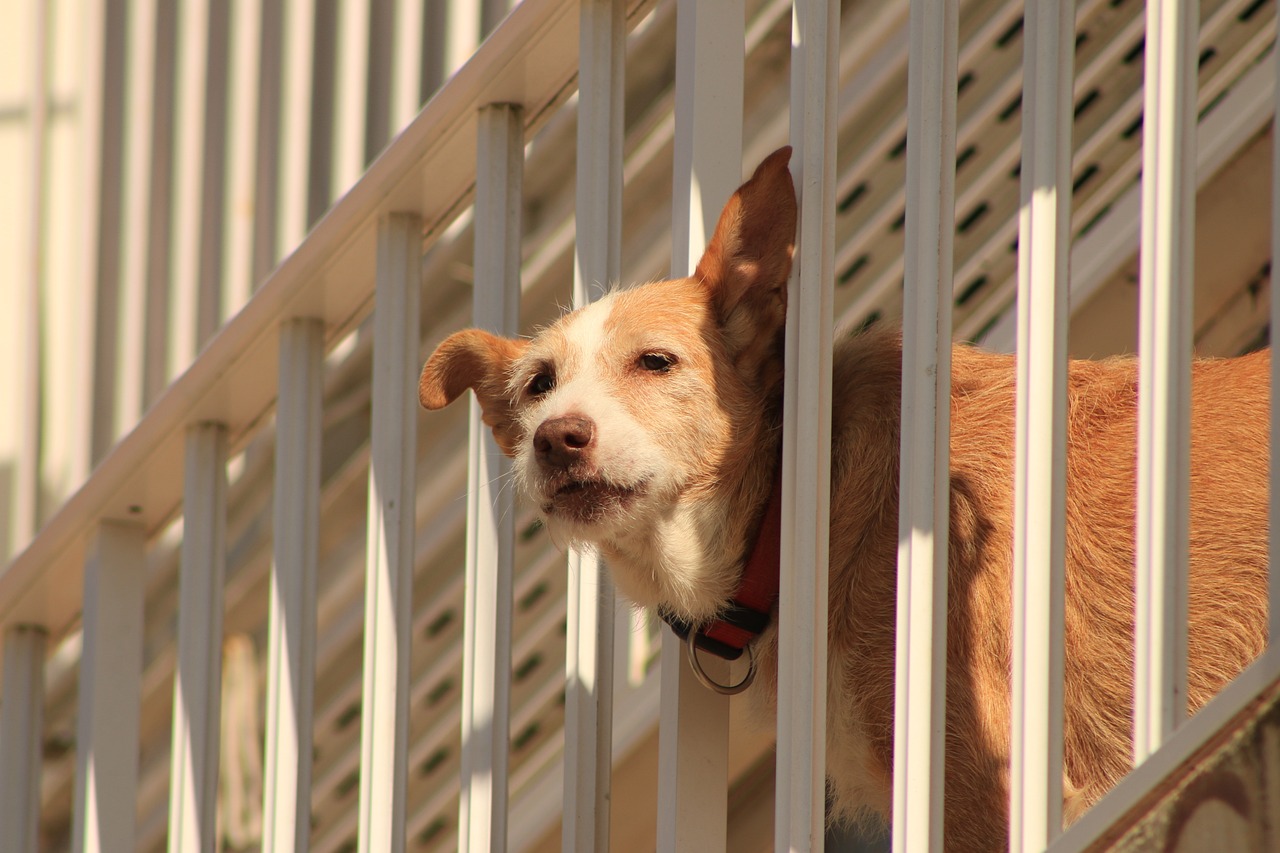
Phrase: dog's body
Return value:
(648, 425)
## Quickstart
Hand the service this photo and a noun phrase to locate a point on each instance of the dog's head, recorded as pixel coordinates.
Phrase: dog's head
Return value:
(647, 400)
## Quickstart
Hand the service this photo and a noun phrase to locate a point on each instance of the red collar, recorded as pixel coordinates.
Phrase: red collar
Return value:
(751, 609)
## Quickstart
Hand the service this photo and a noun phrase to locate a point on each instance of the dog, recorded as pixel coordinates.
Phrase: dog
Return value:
(648, 425)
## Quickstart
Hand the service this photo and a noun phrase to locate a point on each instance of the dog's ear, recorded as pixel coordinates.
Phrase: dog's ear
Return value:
(748, 259)
(475, 359)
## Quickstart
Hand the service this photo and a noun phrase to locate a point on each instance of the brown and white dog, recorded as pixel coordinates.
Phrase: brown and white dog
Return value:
(647, 425)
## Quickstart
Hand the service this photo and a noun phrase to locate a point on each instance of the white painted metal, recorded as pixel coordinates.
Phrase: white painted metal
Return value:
(268, 141)
(1241, 113)
(139, 172)
(294, 166)
(799, 816)
(1164, 378)
(693, 745)
(491, 510)
(384, 731)
(291, 627)
(21, 738)
(588, 724)
(160, 214)
(104, 278)
(352, 79)
(1039, 565)
(462, 33)
(197, 686)
(406, 70)
(189, 142)
(24, 519)
(245, 42)
(924, 498)
(109, 695)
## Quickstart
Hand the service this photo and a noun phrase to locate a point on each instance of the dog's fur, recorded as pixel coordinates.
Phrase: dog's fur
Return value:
(648, 426)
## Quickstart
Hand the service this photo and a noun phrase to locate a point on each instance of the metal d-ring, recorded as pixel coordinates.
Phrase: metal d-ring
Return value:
(707, 682)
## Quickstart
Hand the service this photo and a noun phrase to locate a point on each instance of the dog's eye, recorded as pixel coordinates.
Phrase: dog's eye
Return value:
(540, 384)
(656, 362)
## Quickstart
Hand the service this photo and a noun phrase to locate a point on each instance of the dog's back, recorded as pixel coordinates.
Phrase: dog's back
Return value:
(1228, 563)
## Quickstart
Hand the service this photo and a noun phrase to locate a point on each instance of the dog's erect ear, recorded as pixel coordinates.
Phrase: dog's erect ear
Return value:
(478, 360)
(746, 264)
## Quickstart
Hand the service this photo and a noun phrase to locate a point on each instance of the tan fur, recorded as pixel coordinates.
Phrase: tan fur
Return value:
(679, 538)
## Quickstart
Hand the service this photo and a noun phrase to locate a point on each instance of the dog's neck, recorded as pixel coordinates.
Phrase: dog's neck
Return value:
(751, 609)
(691, 562)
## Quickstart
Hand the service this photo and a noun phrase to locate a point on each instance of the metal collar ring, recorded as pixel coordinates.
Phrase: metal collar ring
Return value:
(707, 682)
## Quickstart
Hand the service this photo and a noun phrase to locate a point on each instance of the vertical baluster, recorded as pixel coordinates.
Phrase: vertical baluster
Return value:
(384, 733)
(104, 263)
(268, 141)
(920, 697)
(352, 84)
(25, 448)
(291, 628)
(21, 738)
(589, 646)
(298, 206)
(406, 78)
(110, 690)
(197, 688)
(1164, 377)
(693, 774)
(486, 673)
(190, 162)
(1041, 466)
(135, 213)
(245, 37)
(806, 457)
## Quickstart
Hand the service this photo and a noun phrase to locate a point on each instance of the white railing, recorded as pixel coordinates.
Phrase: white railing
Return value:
(85, 569)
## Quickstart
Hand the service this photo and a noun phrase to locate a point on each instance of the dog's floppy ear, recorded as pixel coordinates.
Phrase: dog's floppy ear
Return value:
(475, 359)
(748, 259)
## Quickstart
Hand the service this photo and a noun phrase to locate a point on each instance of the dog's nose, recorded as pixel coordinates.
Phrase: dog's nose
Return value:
(559, 442)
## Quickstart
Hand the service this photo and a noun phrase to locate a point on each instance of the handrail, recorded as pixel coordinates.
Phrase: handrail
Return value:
(532, 59)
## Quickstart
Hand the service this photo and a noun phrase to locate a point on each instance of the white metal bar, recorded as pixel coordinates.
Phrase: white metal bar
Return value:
(242, 128)
(406, 74)
(352, 79)
(1164, 378)
(110, 690)
(384, 734)
(588, 728)
(1039, 565)
(104, 262)
(693, 743)
(924, 497)
(462, 33)
(139, 172)
(21, 738)
(192, 73)
(491, 511)
(157, 299)
(268, 141)
(293, 168)
(291, 627)
(213, 185)
(27, 462)
(197, 687)
(806, 455)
